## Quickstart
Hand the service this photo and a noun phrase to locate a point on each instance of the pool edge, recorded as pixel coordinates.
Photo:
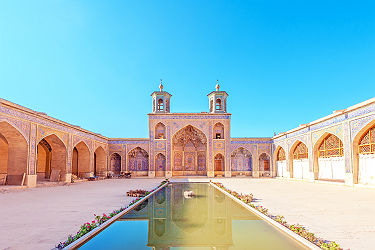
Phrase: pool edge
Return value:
(290, 233)
(93, 233)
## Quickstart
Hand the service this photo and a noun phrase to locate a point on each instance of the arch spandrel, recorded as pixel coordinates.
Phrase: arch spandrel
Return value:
(22, 127)
(130, 147)
(335, 130)
(189, 133)
(250, 147)
(358, 127)
(200, 125)
(87, 142)
(44, 132)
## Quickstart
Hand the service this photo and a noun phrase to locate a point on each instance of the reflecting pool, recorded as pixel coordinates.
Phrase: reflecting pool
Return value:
(209, 220)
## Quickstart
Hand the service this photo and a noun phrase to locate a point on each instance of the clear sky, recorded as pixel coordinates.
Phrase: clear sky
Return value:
(95, 63)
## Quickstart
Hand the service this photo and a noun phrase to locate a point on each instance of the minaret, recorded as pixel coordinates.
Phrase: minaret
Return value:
(218, 100)
(161, 100)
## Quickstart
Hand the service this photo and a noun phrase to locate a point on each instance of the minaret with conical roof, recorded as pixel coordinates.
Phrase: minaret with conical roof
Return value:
(161, 100)
(218, 100)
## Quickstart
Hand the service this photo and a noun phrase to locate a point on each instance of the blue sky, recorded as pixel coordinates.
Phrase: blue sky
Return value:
(95, 63)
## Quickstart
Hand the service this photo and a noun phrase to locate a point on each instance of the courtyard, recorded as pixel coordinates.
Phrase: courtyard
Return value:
(39, 218)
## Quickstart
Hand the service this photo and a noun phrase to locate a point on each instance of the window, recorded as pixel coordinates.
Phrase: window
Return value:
(218, 104)
(160, 131)
(367, 143)
(300, 152)
(218, 131)
(281, 155)
(331, 146)
(160, 105)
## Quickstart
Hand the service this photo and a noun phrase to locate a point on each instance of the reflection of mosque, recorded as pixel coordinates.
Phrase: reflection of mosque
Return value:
(176, 221)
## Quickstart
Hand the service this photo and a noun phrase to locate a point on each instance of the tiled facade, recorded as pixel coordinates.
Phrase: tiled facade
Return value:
(179, 144)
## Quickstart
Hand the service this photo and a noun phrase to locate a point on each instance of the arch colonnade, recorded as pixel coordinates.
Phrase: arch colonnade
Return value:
(339, 148)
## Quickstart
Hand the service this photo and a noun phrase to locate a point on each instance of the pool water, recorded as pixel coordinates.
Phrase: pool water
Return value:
(210, 220)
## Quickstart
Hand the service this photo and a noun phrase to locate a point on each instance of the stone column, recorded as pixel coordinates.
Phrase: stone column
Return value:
(151, 155)
(67, 176)
(126, 165)
(287, 159)
(31, 176)
(348, 154)
(311, 153)
(255, 161)
(228, 172)
(168, 155)
(210, 169)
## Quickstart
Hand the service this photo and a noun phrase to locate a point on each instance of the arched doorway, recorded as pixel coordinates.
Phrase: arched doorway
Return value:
(51, 159)
(330, 153)
(115, 163)
(241, 162)
(13, 155)
(219, 166)
(264, 165)
(299, 162)
(365, 170)
(189, 147)
(281, 163)
(160, 165)
(218, 131)
(138, 162)
(81, 161)
(160, 131)
(100, 162)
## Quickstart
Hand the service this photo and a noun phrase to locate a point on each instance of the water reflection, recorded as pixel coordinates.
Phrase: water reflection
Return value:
(209, 220)
(204, 220)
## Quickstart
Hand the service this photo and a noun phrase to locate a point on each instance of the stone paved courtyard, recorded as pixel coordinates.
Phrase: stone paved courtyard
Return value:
(333, 212)
(39, 218)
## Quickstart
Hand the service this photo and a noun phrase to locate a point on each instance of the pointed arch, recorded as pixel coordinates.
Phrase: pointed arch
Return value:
(218, 131)
(189, 148)
(100, 162)
(115, 163)
(364, 155)
(298, 160)
(160, 131)
(241, 162)
(54, 134)
(219, 165)
(160, 104)
(328, 153)
(264, 165)
(160, 164)
(138, 161)
(280, 162)
(81, 160)
(13, 154)
(51, 159)
(83, 142)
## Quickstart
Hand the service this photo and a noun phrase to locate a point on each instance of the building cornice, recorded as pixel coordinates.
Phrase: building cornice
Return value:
(202, 113)
(41, 115)
(335, 113)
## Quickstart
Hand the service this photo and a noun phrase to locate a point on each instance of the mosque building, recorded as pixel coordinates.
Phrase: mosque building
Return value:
(35, 147)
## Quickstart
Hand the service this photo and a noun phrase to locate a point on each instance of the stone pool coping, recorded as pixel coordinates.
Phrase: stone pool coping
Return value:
(93, 233)
(285, 230)
(79, 242)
